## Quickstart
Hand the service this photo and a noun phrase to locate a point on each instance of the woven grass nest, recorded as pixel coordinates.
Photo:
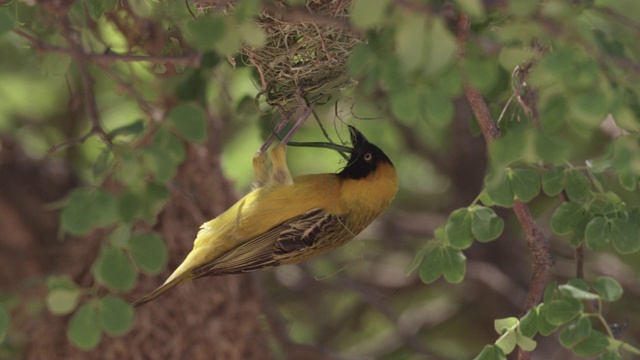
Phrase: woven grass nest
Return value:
(307, 52)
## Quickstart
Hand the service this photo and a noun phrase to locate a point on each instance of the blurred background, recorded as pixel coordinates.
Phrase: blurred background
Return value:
(124, 125)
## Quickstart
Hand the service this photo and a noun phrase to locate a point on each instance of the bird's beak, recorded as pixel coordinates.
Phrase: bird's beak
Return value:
(356, 137)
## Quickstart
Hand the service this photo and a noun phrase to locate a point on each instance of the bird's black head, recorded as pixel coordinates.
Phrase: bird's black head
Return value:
(365, 157)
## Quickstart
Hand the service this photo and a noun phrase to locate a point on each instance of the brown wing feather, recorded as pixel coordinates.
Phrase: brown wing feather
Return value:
(263, 251)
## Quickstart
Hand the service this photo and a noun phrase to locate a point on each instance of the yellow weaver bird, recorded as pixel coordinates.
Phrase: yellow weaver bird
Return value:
(286, 220)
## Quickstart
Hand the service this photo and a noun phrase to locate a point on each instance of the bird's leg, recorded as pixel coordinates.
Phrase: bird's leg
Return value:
(279, 170)
(260, 169)
(284, 119)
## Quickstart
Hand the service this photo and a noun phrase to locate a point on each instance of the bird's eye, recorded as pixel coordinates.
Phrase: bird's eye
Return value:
(368, 157)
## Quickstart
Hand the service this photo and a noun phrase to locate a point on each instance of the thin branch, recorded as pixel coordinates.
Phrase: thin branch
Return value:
(109, 57)
(536, 240)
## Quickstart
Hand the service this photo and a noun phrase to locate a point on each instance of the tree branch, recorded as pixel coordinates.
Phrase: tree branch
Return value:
(536, 240)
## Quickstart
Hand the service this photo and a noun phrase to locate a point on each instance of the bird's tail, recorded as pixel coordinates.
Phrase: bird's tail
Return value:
(157, 292)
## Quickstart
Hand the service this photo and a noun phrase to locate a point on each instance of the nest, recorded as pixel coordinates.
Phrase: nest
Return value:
(306, 50)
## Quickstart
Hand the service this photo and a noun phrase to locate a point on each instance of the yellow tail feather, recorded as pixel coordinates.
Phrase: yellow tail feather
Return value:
(157, 292)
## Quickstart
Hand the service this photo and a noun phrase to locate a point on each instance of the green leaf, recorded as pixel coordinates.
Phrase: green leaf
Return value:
(550, 149)
(610, 355)
(512, 56)
(628, 181)
(6, 22)
(410, 41)
(507, 342)
(87, 208)
(443, 260)
(624, 236)
(97, 8)
(84, 328)
(578, 185)
(553, 181)
(405, 104)
(561, 311)
(491, 352)
(506, 324)
(438, 108)
(524, 342)
(116, 315)
(114, 270)
(544, 327)
(566, 218)
(135, 128)
(458, 229)
(485, 224)
(128, 205)
(498, 188)
(474, 8)
(61, 282)
(597, 233)
(205, 31)
(608, 288)
(190, 121)
(5, 320)
(525, 183)
(158, 161)
(367, 13)
(102, 163)
(577, 293)
(76, 217)
(579, 284)
(442, 46)
(454, 265)
(152, 201)
(529, 323)
(593, 344)
(575, 332)
(62, 301)
(417, 260)
(432, 264)
(149, 252)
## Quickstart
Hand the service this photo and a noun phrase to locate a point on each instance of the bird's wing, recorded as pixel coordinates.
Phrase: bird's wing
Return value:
(263, 251)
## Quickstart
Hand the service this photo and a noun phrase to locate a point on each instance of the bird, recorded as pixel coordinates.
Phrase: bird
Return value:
(286, 220)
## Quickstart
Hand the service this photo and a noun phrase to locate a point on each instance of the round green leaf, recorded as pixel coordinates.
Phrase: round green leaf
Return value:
(190, 121)
(432, 264)
(597, 233)
(76, 217)
(507, 342)
(499, 190)
(62, 301)
(628, 181)
(559, 312)
(485, 224)
(116, 315)
(104, 208)
(5, 319)
(149, 252)
(610, 355)
(405, 103)
(525, 183)
(575, 332)
(578, 185)
(529, 323)
(438, 108)
(6, 22)
(544, 327)
(553, 181)
(454, 265)
(593, 344)
(624, 236)
(524, 342)
(506, 324)
(458, 229)
(84, 329)
(566, 218)
(114, 270)
(366, 13)
(608, 288)
(491, 352)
